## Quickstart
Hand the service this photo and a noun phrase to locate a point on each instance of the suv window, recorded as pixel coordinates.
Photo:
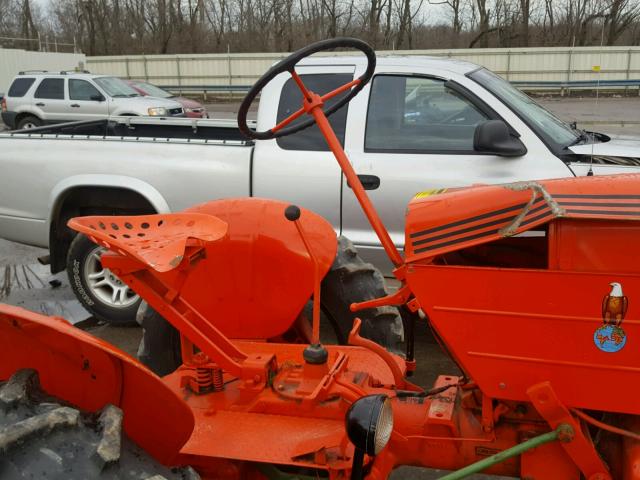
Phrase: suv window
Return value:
(52, 88)
(20, 86)
(419, 114)
(311, 139)
(82, 90)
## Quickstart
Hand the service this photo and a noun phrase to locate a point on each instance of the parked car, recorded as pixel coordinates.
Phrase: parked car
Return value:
(40, 98)
(422, 124)
(192, 109)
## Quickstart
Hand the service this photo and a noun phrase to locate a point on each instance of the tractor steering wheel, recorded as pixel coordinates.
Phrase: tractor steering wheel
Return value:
(288, 65)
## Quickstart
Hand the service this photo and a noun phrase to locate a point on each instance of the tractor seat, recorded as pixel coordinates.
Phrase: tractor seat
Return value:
(158, 241)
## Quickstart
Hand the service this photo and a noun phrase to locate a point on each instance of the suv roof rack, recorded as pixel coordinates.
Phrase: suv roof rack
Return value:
(61, 72)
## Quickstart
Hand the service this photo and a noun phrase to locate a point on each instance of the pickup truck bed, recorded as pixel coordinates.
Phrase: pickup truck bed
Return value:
(140, 127)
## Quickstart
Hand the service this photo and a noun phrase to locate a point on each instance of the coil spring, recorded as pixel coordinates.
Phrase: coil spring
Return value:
(209, 379)
(204, 378)
(218, 382)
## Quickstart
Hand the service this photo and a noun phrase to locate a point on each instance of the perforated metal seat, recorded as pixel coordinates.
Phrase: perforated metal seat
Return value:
(158, 241)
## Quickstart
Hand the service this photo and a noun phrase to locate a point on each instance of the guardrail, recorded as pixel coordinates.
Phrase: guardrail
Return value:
(206, 89)
(562, 86)
(567, 86)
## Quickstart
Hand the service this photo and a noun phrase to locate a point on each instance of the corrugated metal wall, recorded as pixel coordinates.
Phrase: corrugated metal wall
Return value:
(13, 61)
(516, 64)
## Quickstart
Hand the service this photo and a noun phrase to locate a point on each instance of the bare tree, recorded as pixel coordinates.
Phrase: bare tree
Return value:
(620, 16)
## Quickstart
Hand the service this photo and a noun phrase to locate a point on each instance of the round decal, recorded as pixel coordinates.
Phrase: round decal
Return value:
(609, 338)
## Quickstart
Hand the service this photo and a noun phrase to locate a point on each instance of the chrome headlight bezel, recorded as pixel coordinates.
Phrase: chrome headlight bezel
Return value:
(369, 423)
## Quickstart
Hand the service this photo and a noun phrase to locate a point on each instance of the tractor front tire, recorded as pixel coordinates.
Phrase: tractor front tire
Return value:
(44, 438)
(349, 280)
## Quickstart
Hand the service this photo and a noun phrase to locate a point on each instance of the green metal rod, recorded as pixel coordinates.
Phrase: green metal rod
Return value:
(506, 454)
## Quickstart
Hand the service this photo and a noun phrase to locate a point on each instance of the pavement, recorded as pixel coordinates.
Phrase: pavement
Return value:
(24, 282)
(614, 115)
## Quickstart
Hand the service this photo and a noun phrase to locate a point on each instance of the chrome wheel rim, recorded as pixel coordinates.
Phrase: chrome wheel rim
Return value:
(104, 285)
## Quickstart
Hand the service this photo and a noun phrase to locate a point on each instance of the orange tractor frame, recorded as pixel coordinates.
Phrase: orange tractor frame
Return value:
(530, 287)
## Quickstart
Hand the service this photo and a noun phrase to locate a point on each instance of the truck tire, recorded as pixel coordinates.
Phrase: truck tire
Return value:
(45, 438)
(28, 122)
(103, 294)
(349, 280)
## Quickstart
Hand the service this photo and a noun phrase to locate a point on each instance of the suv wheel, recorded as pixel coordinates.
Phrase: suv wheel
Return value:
(28, 122)
(102, 293)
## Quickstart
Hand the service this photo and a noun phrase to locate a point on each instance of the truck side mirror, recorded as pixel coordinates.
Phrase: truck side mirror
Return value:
(493, 137)
(97, 98)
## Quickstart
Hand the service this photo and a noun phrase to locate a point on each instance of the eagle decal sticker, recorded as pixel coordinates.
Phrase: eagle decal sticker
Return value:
(610, 337)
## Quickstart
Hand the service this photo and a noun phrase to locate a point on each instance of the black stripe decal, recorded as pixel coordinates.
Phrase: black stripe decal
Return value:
(471, 219)
(603, 197)
(483, 234)
(536, 218)
(597, 204)
(475, 227)
(464, 230)
(604, 212)
(458, 240)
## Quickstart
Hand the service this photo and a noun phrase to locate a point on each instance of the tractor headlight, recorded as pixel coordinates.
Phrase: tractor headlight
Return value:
(157, 112)
(370, 423)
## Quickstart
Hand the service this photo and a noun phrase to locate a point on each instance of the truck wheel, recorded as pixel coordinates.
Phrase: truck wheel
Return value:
(44, 438)
(28, 122)
(102, 293)
(349, 280)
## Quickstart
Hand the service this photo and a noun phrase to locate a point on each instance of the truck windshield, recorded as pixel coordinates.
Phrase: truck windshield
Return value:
(115, 87)
(552, 130)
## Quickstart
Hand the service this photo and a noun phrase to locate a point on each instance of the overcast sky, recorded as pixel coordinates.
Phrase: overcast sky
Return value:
(437, 13)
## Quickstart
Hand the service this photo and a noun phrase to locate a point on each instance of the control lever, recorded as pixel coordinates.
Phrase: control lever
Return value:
(315, 353)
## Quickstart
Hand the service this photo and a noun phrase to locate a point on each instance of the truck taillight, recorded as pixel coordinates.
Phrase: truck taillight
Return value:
(4, 104)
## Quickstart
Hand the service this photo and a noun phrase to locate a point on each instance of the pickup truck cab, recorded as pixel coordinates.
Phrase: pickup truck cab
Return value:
(41, 98)
(421, 125)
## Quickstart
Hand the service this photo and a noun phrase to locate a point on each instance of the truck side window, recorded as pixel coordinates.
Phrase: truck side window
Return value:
(82, 90)
(311, 139)
(52, 88)
(20, 86)
(419, 114)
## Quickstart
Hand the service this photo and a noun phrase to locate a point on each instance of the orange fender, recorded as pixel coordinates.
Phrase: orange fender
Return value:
(90, 373)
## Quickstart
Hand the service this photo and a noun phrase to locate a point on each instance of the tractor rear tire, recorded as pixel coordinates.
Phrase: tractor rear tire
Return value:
(44, 438)
(349, 280)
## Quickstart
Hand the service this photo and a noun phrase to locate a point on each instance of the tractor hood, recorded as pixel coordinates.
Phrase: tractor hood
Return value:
(613, 152)
(443, 221)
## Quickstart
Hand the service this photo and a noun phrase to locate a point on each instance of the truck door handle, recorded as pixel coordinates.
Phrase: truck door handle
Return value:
(369, 182)
(40, 104)
(75, 105)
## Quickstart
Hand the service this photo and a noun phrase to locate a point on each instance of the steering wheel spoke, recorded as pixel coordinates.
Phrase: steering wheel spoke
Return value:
(288, 120)
(341, 89)
(311, 100)
(303, 89)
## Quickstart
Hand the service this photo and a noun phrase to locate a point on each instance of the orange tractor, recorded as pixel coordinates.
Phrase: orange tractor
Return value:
(530, 287)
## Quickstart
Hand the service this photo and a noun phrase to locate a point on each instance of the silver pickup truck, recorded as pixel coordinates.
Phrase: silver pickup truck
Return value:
(421, 124)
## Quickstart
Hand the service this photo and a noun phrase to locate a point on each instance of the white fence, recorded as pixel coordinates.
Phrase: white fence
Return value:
(558, 64)
(13, 61)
